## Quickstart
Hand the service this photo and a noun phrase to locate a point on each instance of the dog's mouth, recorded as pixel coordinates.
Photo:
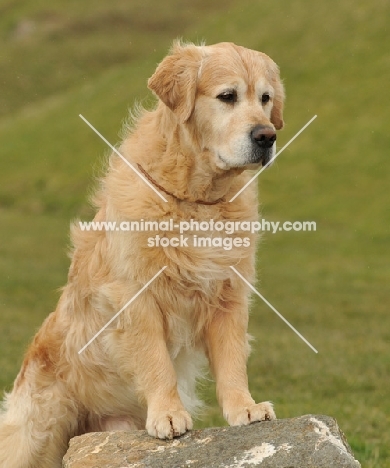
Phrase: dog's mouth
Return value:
(252, 163)
(262, 157)
(256, 158)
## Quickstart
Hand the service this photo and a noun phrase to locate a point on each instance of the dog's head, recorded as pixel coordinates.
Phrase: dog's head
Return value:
(230, 98)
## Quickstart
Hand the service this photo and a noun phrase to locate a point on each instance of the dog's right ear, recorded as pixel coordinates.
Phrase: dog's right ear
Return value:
(175, 78)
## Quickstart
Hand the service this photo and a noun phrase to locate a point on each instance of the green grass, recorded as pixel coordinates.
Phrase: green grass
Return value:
(331, 284)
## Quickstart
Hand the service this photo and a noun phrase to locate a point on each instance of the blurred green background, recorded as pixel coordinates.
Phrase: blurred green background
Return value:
(62, 58)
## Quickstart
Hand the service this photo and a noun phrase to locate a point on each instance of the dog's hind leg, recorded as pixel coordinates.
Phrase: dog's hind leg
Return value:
(114, 423)
(35, 427)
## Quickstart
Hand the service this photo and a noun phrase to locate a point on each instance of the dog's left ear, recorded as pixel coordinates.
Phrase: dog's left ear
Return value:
(278, 101)
(174, 80)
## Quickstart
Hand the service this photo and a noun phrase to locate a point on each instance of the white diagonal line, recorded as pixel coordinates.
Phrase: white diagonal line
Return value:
(123, 308)
(273, 308)
(273, 159)
(123, 158)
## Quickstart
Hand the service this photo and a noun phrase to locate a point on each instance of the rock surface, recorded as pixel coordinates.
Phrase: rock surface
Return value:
(305, 442)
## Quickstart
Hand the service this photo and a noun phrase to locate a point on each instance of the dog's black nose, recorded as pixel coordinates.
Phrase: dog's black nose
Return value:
(264, 136)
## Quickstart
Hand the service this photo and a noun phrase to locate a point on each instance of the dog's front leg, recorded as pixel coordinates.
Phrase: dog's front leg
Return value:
(144, 358)
(228, 350)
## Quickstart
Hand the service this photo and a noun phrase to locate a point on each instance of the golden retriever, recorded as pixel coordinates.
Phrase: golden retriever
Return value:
(218, 109)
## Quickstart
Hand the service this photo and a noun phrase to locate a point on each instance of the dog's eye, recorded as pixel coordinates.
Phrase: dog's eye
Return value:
(265, 98)
(228, 96)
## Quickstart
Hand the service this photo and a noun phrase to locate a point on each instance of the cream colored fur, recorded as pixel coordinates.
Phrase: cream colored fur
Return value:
(141, 371)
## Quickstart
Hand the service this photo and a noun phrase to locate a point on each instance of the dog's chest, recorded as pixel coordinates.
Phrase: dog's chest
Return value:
(189, 309)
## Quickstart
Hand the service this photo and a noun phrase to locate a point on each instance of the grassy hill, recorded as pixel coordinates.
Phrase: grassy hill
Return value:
(61, 59)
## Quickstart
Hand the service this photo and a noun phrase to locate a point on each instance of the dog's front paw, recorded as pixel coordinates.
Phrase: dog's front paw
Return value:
(168, 424)
(249, 414)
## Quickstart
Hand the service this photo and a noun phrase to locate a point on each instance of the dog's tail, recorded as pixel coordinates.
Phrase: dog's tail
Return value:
(34, 428)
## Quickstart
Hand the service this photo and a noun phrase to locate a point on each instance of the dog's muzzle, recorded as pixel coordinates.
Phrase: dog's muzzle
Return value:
(263, 139)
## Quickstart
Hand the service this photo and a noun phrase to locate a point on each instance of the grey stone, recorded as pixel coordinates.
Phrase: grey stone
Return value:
(305, 442)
